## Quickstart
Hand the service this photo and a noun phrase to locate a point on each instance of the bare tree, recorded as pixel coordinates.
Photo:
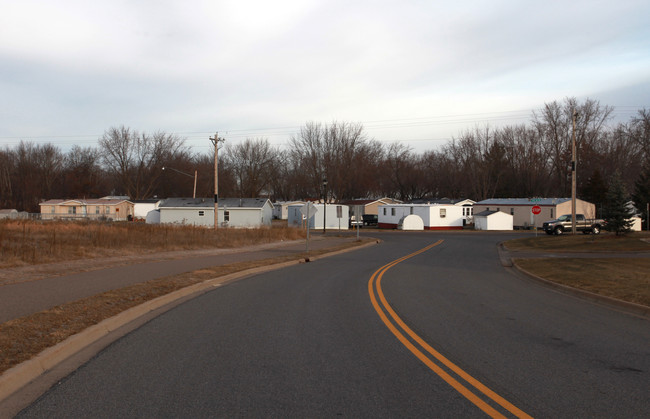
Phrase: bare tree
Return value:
(330, 153)
(555, 129)
(6, 169)
(137, 159)
(252, 163)
(405, 173)
(37, 170)
(83, 175)
(639, 130)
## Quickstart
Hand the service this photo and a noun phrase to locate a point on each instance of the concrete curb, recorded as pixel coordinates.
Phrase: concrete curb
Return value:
(628, 307)
(22, 374)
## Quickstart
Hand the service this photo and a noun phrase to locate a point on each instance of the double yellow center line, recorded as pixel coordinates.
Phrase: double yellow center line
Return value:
(429, 356)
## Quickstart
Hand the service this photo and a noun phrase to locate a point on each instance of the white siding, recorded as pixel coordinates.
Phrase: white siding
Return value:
(294, 217)
(434, 216)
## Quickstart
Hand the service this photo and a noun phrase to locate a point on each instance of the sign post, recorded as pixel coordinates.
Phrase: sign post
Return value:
(307, 211)
(536, 210)
(357, 215)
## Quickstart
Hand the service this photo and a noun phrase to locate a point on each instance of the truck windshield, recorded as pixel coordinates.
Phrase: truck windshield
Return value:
(564, 218)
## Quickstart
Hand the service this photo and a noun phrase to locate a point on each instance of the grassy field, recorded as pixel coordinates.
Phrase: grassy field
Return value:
(626, 279)
(605, 242)
(26, 242)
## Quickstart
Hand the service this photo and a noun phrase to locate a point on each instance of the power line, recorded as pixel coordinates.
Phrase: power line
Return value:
(372, 125)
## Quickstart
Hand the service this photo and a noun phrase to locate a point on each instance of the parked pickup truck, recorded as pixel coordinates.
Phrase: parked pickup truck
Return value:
(563, 223)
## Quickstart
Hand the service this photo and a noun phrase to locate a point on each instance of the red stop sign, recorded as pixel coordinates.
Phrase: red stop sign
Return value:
(537, 209)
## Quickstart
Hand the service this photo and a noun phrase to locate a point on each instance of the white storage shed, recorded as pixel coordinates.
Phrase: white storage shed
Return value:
(411, 222)
(493, 220)
(335, 216)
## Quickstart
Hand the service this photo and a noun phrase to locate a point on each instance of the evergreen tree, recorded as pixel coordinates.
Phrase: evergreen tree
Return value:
(641, 195)
(595, 191)
(617, 214)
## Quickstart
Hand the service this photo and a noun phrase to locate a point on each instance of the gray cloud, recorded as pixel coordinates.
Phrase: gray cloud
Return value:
(77, 68)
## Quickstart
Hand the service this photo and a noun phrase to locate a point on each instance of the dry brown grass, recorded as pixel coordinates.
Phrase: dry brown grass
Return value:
(626, 279)
(26, 242)
(605, 242)
(23, 338)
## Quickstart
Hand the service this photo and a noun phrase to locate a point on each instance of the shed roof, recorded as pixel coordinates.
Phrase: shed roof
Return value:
(485, 213)
(209, 203)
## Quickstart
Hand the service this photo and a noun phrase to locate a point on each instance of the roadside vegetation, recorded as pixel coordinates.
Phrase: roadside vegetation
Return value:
(604, 242)
(26, 242)
(610, 275)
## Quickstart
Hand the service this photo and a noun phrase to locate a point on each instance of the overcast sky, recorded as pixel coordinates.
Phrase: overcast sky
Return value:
(418, 72)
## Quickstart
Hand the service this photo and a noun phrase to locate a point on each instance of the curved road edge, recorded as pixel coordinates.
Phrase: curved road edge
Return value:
(24, 383)
(626, 306)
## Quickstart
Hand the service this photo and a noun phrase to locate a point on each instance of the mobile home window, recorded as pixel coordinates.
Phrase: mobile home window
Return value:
(512, 211)
(53, 210)
(551, 213)
(392, 211)
(384, 211)
(443, 212)
(411, 210)
(226, 216)
(201, 213)
(96, 210)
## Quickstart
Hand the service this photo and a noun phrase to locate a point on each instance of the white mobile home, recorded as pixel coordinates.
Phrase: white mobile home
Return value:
(434, 216)
(466, 204)
(233, 212)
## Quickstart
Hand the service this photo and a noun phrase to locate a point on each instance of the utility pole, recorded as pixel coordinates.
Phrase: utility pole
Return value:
(573, 174)
(324, 204)
(216, 140)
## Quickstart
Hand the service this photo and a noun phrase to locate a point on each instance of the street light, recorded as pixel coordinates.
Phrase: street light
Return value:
(186, 174)
(324, 204)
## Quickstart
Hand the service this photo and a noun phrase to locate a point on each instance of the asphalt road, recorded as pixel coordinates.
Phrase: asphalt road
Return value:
(310, 341)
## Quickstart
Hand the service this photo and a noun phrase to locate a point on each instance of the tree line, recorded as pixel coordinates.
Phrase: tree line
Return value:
(527, 160)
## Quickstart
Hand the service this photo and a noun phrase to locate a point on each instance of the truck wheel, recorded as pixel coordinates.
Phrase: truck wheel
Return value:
(595, 229)
(558, 231)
